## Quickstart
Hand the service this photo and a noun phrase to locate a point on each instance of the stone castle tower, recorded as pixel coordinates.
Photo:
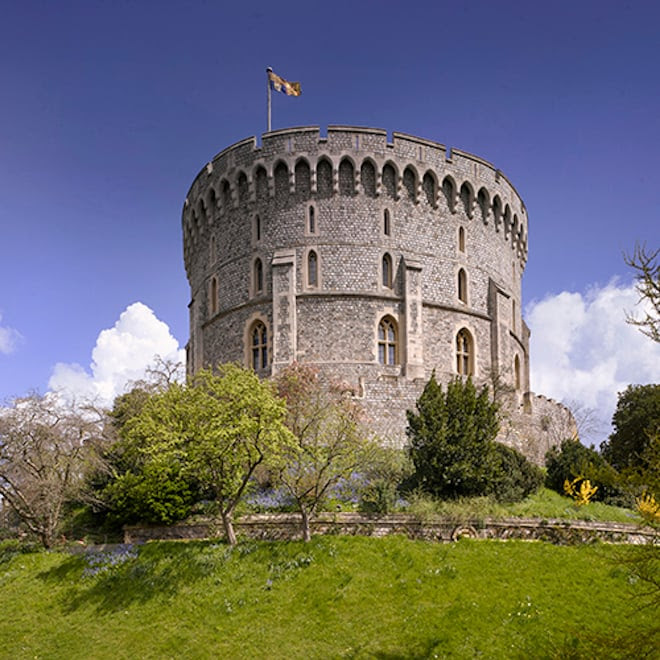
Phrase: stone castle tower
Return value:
(377, 261)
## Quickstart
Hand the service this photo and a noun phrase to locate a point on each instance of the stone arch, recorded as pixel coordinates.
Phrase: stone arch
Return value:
(368, 177)
(303, 179)
(257, 341)
(483, 200)
(410, 183)
(462, 285)
(346, 177)
(467, 198)
(281, 180)
(388, 340)
(387, 271)
(515, 232)
(201, 211)
(243, 187)
(261, 183)
(312, 269)
(465, 353)
(211, 201)
(449, 191)
(324, 185)
(258, 277)
(389, 179)
(430, 188)
(225, 195)
(507, 221)
(497, 212)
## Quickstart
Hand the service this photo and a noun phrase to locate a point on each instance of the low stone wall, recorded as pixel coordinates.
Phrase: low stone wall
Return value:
(288, 527)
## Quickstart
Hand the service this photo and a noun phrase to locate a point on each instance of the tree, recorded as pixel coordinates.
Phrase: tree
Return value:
(330, 442)
(647, 275)
(44, 444)
(573, 460)
(636, 421)
(215, 430)
(452, 439)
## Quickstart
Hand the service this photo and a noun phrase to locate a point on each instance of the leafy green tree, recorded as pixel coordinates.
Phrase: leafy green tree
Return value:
(215, 430)
(636, 421)
(330, 441)
(452, 439)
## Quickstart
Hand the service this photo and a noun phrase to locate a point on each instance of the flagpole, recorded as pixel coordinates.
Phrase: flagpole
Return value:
(268, 70)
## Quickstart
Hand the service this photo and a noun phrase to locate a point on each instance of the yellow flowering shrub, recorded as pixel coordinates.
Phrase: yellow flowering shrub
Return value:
(581, 494)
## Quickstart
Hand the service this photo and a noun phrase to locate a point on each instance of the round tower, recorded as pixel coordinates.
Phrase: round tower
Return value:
(376, 260)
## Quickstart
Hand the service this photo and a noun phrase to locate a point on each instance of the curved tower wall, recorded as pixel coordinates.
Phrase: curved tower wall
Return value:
(291, 238)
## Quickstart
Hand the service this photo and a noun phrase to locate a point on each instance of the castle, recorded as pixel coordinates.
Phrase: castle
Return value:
(376, 260)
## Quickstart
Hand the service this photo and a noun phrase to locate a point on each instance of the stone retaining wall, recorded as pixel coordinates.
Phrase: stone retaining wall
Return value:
(288, 527)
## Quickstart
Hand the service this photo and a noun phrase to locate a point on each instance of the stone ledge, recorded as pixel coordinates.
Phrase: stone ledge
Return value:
(287, 526)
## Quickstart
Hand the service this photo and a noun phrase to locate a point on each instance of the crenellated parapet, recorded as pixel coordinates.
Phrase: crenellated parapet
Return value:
(351, 161)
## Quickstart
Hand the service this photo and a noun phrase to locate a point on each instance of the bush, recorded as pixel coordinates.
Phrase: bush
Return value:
(572, 459)
(452, 439)
(514, 477)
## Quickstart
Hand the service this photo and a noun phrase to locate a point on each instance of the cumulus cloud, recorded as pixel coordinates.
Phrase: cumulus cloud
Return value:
(9, 338)
(583, 351)
(122, 354)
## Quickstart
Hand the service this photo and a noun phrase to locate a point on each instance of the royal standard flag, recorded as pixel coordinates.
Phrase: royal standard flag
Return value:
(281, 85)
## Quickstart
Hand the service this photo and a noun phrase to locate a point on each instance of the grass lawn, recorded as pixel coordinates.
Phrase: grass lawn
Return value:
(336, 597)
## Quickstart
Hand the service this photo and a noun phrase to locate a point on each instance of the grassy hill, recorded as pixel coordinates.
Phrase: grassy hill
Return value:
(336, 597)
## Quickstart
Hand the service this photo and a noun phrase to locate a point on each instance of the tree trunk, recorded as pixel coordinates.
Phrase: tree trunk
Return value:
(229, 528)
(307, 535)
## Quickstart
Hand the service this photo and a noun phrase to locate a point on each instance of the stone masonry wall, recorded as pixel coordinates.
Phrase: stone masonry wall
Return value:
(256, 216)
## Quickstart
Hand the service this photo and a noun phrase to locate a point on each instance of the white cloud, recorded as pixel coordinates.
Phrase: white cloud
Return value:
(121, 355)
(582, 349)
(9, 338)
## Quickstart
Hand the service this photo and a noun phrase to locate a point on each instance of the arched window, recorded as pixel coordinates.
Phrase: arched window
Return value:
(281, 176)
(387, 225)
(259, 346)
(311, 220)
(389, 181)
(213, 297)
(312, 269)
(346, 177)
(387, 271)
(516, 371)
(410, 183)
(461, 239)
(429, 187)
(303, 179)
(258, 276)
(387, 341)
(464, 353)
(323, 179)
(462, 286)
(368, 178)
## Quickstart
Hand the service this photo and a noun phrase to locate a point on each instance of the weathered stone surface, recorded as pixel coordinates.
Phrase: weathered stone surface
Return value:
(298, 194)
(287, 526)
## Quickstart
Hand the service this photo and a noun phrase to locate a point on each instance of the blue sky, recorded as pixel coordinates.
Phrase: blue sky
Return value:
(109, 110)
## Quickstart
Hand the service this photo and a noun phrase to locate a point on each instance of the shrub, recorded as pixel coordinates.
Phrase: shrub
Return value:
(572, 459)
(514, 477)
(452, 439)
